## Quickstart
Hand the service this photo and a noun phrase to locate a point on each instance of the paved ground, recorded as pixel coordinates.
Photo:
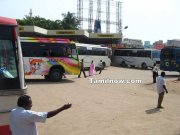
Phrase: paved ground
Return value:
(107, 109)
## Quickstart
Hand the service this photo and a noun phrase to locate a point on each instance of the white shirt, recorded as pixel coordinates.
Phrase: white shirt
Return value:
(100, 65)
(155, 69)
(160, 82)
(22, 122)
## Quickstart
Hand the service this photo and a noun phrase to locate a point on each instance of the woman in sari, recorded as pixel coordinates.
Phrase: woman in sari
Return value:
(91, 69)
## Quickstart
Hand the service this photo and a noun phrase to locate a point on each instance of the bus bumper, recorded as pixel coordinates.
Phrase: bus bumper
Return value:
(5, 130)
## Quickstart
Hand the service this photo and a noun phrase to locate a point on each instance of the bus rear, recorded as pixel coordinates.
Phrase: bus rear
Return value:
(170, 59)
(12, 83)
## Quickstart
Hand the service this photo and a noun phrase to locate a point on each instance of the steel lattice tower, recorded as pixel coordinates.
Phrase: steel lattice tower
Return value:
(90, 18)
(109, 5)
(98, 15)
(118, 17)
(80, 12)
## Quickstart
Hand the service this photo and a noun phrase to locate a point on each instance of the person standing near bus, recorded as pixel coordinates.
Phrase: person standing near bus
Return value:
(161, 88)
(82, 69)
(91, 69)
(100, 67)
(155, 72)
(23, 120)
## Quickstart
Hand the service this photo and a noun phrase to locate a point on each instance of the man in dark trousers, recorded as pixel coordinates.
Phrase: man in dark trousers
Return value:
(82, 69)
(155, 73)
(23, 121)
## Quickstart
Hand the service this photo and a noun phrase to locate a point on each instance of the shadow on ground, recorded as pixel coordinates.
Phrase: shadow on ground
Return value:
(133, 68)
(153, 110)
(44, 81)
(172, 76)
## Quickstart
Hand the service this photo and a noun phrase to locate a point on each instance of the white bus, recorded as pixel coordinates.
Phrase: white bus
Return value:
(143, 58)
(90, 52)
(12, 82)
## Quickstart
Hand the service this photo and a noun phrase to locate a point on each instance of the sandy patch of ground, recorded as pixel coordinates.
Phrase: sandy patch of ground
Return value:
(107, 109)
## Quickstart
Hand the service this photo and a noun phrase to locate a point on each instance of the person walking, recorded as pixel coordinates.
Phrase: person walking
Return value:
(22, 120)
(161, 89)
(82, 69)
(100, 67)
(91, 69)
(155, 72)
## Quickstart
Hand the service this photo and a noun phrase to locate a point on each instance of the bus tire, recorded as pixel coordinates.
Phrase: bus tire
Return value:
(144, 66)
(55, 74)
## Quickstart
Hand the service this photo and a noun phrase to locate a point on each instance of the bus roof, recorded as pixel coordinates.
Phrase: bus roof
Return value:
(7, 21)
(89, 45)
(151, 49)
(44, 40)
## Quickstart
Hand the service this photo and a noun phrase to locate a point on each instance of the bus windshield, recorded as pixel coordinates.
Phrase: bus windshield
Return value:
(8, 67)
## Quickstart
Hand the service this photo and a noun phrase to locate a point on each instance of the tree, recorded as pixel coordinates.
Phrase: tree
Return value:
(70, 22)
(40, 22)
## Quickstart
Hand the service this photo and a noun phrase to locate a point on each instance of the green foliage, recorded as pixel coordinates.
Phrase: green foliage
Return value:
(69, 22)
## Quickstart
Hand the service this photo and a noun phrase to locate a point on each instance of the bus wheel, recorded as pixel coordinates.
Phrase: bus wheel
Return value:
(123, 64)
(55, 75)
(144, 66)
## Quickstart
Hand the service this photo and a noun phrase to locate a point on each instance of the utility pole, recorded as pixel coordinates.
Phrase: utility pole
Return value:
(30, 13)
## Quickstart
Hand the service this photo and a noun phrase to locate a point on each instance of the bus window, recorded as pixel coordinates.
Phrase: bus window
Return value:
(134, 53)
(74, 52)
(155, 54)
(147, 53)
(178, 55)
(81, 50)
(167, 53)
(8, 67)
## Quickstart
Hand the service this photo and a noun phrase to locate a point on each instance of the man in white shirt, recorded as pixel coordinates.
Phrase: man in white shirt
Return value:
(161, 88)
(100, 67)
(23, 120)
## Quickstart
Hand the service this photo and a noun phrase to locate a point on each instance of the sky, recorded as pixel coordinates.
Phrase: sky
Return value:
(148, 20)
